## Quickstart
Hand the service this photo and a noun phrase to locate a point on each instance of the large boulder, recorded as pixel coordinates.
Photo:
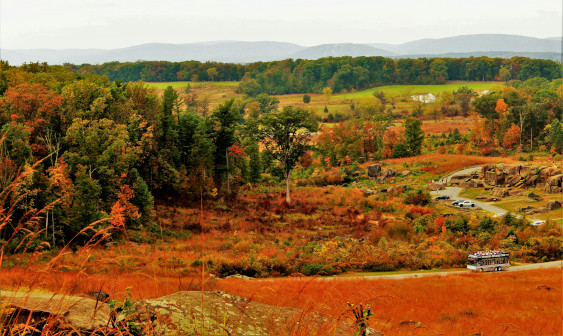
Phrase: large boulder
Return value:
(524, 209)
(71, 312)
(226, 314)
(389, 172)
(460, 177)
(435, 186)
(500, 192)
(554, 184)
(553, 205)
(374, 170)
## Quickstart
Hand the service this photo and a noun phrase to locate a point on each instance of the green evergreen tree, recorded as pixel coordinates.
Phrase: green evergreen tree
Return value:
(414, 136)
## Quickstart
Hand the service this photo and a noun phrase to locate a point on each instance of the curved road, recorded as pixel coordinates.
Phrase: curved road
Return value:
(453, 192)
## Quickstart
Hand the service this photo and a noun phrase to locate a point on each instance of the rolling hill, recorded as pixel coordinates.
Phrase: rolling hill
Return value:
(492, 45)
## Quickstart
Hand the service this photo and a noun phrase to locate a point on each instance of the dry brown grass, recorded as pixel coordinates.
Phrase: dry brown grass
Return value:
(515, 303)
(491, 304)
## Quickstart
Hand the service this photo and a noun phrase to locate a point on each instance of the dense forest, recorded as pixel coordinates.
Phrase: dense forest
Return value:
(343, 73)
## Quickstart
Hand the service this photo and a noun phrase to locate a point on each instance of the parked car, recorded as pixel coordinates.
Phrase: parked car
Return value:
(454, 203)
(466, 204)
(539, 222)
(443, 197)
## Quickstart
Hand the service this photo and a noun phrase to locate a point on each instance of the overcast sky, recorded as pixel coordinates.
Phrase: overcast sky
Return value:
(63, 24)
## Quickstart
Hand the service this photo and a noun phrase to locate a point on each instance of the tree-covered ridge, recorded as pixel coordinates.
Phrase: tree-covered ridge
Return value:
(342, 73)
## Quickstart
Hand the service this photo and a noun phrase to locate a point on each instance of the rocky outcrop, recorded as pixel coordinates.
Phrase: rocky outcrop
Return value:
(519, 176)
(180, 313)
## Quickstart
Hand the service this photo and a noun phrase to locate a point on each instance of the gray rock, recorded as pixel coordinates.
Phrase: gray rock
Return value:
(553, 205)
(374, 170)
(389, 172)
(71, 311)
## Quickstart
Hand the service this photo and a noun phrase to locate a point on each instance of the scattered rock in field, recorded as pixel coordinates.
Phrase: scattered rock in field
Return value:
(545, 287)
(369, 192)
(374, 170)
(371, 331)
(410, 323)
(480, 197)
(318, 238)
(406, 172)
(553, 205)
(542, 209)
(534, 197)
(492, 199)
(239, 276)
(526, 208)
(389, 172)
(435, 186)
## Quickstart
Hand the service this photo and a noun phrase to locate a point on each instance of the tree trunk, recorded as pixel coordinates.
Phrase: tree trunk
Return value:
(287, 198)
(228, 181)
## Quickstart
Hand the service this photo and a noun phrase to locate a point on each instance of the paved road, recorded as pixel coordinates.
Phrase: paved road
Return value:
(453, 192)
(551, 264)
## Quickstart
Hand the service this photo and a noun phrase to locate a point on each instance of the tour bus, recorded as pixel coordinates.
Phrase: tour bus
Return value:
(488, 261)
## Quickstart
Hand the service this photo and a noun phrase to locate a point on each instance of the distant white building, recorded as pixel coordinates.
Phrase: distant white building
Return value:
(425, 98)
(484, 92)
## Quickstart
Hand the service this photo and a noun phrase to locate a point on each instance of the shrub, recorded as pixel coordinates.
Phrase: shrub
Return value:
(311, 269)
(417, 197)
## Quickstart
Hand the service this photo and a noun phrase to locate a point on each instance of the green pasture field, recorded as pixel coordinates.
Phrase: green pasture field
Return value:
(181, 85)
(418, 89)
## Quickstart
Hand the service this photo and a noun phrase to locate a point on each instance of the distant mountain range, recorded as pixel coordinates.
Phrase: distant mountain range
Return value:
(492, 45)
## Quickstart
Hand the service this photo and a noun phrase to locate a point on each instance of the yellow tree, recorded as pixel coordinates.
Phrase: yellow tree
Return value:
(212, 72)
(327, 92)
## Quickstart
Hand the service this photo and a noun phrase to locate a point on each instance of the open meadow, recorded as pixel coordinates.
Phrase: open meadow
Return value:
(513, 303)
